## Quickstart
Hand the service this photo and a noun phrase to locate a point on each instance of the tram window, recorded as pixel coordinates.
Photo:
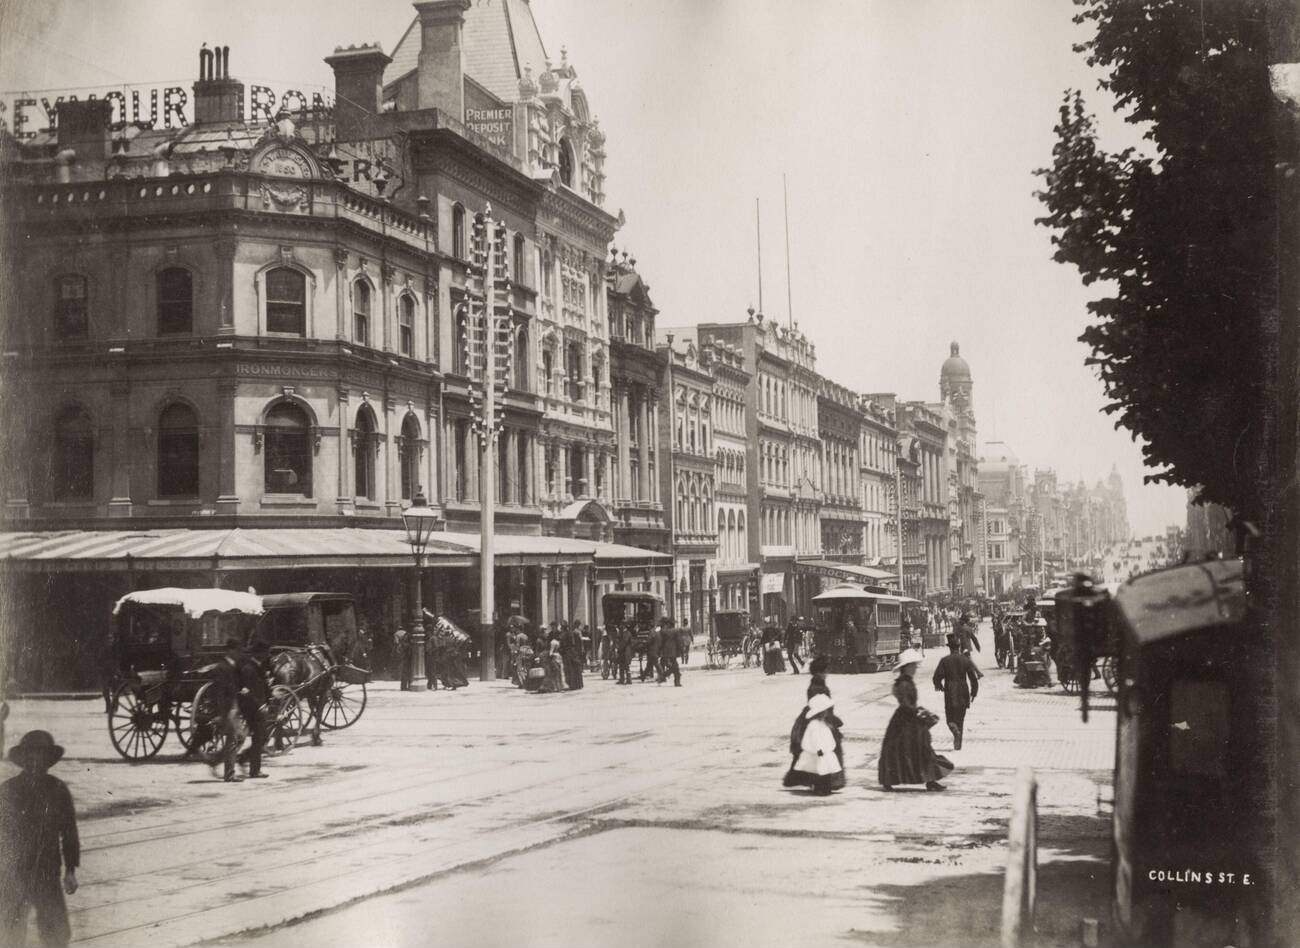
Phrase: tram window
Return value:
(1198, 728)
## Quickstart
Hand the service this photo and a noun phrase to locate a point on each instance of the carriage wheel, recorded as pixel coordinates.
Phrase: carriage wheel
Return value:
(606, 667)
(343, 705)
(287, 719)
(1110, 672)
(1069, 680)
(183, 723)
(205, 738)
(136, 727)
(715, 659)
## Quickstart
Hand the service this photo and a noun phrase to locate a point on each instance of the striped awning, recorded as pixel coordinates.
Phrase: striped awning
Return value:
(239, 548)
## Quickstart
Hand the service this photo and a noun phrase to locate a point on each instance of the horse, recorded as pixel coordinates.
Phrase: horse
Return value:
(310, 673)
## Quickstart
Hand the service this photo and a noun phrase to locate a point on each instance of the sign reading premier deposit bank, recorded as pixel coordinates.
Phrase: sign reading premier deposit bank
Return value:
(497, 125)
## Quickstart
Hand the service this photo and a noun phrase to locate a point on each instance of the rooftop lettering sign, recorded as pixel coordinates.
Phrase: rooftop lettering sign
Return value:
(161, 106)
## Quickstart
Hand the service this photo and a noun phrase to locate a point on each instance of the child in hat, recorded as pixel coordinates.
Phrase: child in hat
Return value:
(38, 833)
(818, 765)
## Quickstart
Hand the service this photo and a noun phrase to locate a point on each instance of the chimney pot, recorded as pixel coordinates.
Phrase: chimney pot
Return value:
(358, 88)
(441, 67)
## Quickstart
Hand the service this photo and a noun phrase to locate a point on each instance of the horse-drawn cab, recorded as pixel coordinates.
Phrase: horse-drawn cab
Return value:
(323, 624)
(165, 642)
(640, 611)
(730, 628)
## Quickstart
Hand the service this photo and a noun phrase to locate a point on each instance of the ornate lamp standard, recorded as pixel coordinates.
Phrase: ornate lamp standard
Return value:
(418, 519)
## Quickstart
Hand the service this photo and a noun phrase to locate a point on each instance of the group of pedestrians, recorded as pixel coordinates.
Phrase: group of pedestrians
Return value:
(554, 656)
(444, 655)
(907, 754)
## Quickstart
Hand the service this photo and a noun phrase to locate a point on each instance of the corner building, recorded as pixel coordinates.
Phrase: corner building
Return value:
(251, 346)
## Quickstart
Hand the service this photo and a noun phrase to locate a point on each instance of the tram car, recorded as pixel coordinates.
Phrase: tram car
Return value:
(857, 630)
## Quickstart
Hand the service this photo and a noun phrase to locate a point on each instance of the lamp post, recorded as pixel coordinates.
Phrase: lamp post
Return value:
(418, 519)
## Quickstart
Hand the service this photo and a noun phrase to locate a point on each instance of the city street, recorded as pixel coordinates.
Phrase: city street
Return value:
(650, 815)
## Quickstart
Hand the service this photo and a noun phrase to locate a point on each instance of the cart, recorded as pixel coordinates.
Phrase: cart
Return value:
(165, 645)
(730, 635)
(327, 620)
(640, 611)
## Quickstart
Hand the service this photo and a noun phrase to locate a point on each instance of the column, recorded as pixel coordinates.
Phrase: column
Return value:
(643, 447)
(511, 436)
(391, 430)
(590, 460)
(654, 443)
(564, 610)
(388, 273)
(471, 465)
(562, 469)
(432, 461)
(344, 497)
(623, 489)
(527, 485)
(583, 584)
(122, 458)
(607, 459)
(340, 295)
(227, 490)
(544, 594)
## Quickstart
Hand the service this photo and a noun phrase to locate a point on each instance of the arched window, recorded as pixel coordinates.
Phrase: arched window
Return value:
(410, 457)
(706, 511)
(361, 313)
(566, 163)
(288, 450)
(681, 506)
(178, 452)
(175, 300)
(363, 454)
(406, 325)
(286, 301)
(458, 232)
(71, 320)
(742, 549)
(548, 369)
(519, 271)
(73, 477)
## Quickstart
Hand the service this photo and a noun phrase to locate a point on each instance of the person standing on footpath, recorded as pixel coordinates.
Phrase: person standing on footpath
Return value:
(402, 651)
(38, 833)
(906, 755)
(957, 678)
(572, 649)
(623, 649)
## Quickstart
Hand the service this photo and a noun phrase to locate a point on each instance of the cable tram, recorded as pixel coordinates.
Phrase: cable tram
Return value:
(858, 630)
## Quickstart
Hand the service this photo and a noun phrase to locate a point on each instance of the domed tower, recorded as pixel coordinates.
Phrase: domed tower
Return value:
(955, 381)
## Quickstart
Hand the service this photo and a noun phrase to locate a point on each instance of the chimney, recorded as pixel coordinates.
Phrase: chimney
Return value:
(83, 127)
(441, 78)
(358, 88)
(217, 97)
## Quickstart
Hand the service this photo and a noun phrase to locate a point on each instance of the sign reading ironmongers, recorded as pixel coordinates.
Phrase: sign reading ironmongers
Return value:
(496, 125)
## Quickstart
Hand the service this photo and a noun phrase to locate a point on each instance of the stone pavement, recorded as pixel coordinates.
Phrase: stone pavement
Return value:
(671, 796)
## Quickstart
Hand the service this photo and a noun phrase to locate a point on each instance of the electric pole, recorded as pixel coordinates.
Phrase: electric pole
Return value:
(487, 338)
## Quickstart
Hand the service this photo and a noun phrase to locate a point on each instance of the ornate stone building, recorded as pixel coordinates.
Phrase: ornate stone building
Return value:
(687, 435)
(253, 349)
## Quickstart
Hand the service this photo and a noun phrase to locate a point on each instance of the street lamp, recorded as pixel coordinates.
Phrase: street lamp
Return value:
(419, 520)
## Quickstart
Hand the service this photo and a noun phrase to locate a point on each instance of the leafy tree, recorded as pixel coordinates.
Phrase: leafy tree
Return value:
(1180, 236)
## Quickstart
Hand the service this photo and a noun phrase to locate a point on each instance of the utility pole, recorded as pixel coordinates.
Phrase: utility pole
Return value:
(789, 293)
(489, 322)
(758, 239)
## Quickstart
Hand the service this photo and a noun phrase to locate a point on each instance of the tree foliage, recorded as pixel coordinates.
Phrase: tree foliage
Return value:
(1180, 240)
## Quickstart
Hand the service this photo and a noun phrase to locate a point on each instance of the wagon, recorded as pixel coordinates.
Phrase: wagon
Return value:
(327, 620)
(165, 643)
(640, 611)
(731, 636)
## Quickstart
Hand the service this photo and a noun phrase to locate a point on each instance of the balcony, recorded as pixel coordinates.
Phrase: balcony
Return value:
(776, 551)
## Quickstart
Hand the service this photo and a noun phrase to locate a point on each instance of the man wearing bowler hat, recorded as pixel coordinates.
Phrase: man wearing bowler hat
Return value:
(38, 833)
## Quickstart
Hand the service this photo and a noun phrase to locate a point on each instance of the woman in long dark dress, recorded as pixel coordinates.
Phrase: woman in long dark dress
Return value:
(773, 662)
(906, 756)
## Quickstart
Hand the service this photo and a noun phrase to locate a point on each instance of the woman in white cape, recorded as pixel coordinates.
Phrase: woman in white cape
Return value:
(818, 766)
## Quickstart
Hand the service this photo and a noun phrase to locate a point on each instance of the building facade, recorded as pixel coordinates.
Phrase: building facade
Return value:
(242, 340)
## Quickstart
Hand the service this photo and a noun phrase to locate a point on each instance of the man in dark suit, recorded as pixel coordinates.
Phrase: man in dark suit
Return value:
(670, 645)
(623, 653)
(653, 649)
(957, 678)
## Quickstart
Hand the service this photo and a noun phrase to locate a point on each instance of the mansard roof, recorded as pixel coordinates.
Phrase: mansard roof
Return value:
(499, 42)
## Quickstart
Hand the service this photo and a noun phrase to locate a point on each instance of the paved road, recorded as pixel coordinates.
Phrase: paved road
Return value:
(612, 803)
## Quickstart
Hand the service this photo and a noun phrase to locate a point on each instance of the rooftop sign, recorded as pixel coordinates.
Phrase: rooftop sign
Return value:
(161, 106)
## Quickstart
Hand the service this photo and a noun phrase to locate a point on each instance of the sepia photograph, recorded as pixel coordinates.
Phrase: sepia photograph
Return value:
(688, 473)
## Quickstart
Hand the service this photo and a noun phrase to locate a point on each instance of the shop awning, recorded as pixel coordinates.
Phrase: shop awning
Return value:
(846, 571)
(231, 549)
(738, 569)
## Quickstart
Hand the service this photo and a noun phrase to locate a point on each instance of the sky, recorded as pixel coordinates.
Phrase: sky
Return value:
(907, 132)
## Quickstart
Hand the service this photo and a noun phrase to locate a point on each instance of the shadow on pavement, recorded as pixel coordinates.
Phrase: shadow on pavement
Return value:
(965, 911)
